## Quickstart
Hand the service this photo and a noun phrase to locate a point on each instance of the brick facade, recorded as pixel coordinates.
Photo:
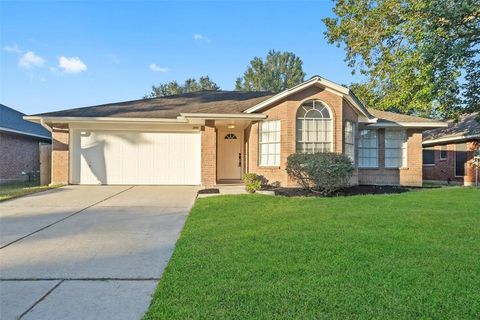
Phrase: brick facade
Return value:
(411, 175)
(443, 170)
(286, 111)
(209, 154)
(60, 155)
(18, 154)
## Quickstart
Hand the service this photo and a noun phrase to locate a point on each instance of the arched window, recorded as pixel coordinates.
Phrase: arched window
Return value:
(314, 127)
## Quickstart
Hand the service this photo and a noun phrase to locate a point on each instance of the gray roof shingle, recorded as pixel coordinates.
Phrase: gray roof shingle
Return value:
(171, 106)
(11, 119)
(466, 126)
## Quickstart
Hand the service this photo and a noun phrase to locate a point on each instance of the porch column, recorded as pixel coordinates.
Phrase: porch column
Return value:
(60, 155)
(209, 154)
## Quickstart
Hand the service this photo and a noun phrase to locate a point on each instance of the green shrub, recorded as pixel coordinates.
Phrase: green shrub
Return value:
(321, 172)
(252, 182)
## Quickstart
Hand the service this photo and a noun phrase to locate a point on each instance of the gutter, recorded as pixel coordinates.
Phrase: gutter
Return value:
(25, 133)
(39, 119)
(451, 139)
(408, 124)
(218, 116)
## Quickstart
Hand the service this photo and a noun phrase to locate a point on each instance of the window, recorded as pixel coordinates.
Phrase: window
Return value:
(395, 148)
(350, 140)
(428, 156)
(230, 136)
(269, 143)
(443, 152)
(368, 149)
(314, 128)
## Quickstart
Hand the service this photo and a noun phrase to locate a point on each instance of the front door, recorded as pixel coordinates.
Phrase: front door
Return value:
(460, 159)
(229, 155)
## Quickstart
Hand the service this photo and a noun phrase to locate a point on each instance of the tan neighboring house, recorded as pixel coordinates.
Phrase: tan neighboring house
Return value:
(448, 152)
(213, 137)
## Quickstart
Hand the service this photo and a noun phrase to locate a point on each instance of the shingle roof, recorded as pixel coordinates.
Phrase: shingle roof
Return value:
(466, 126)
(171, 106)
(396, 117)
(11, 119)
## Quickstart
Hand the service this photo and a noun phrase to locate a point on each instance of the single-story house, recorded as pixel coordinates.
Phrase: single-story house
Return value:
(212, 137)
(448, 152)
(19, 145)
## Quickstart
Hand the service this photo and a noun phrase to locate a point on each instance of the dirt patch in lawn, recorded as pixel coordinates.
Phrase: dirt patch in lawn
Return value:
(351, 191)
(208, 191)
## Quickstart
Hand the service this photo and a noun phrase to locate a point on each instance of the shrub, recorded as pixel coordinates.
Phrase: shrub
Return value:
(321, 172)
(252, 182)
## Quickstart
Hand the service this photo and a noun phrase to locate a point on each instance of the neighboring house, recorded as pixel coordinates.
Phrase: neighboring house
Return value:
(448, 152)
(19, 145)
(211, 137)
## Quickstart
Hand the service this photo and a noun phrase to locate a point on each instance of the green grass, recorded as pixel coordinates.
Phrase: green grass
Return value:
(8, 192)
(404, 256)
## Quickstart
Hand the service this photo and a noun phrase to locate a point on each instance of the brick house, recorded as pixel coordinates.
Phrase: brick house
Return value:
(211, 137)
(19, 145)
(448, 152)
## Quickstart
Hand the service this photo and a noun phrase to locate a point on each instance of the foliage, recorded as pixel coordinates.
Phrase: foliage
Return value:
(252, 182)
(323, 172)
(414, 255)
(279, 71)
(418, 56)
(190, 85)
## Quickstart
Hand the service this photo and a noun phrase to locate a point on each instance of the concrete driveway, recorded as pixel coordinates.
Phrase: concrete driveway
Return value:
(87, 252)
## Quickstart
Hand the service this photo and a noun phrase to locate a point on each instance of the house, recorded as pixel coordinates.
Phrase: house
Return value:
(19, 145)
(448, 152)
(210, 137)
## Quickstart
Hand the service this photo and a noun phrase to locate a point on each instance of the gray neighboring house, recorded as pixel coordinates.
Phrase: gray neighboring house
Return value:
(19, 145)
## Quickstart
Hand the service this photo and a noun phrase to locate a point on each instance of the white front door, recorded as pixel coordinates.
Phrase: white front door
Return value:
(229, 155)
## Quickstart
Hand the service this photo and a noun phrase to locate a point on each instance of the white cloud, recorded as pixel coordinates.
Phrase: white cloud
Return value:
(30, 59)
(200, 37)
(13, 48)
(71, 65)
(156, 68)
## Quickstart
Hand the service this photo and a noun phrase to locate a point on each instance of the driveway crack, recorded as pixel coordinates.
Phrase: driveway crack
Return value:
(63, 219)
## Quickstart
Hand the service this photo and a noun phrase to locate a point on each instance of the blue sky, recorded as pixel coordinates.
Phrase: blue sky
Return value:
(58, 55)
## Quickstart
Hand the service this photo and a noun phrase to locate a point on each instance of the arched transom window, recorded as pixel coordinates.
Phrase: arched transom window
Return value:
(314, 127)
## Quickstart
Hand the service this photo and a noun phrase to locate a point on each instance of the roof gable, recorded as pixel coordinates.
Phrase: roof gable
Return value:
(317, 81)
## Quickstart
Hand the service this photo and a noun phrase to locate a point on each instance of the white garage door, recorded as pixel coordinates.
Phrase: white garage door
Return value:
(132, 157)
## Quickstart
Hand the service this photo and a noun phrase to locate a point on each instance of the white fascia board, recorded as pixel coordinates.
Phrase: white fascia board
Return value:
(451, 139)
(24, 133)
(214, 116)
(327, 84)
(40, 119)
(407, 124)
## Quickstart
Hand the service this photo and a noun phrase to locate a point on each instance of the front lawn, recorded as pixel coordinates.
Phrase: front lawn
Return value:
(8, 192)
(401, 256)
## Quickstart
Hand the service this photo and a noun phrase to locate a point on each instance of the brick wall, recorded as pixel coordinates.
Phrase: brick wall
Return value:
(443, 170)
(411, 175)
(17, 153)
(209, 154)
(285, 111)
(60, 155)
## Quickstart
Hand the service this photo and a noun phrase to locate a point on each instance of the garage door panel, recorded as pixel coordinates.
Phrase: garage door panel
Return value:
(137, 158)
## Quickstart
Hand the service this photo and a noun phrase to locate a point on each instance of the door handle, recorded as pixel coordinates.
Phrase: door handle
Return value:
(239, 159)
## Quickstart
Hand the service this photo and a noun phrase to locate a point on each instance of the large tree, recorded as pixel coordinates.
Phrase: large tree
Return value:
(418, 56)
(190, 85)
(279, 71)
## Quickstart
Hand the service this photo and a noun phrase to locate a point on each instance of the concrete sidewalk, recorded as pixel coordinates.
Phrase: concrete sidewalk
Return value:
(87, 252)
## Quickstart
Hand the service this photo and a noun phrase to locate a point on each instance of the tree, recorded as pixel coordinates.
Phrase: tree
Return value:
(413, 53)
(190, 85)
(279, 71)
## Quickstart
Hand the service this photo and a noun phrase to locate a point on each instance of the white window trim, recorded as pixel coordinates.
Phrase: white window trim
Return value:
(354, 138)
(404, 151)
(260, 143)
(377, 148)
(332, 119)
